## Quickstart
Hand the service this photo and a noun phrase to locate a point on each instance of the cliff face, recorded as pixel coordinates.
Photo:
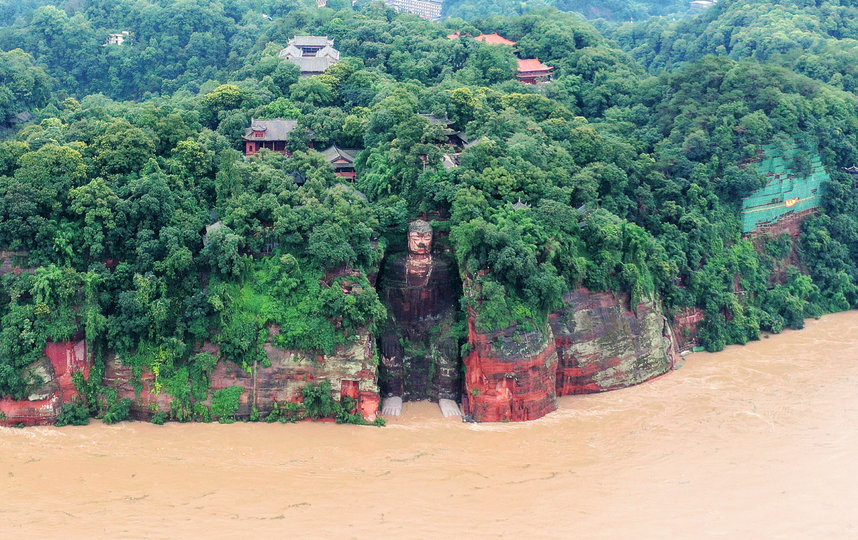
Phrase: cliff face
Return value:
(593, 344)
(351, 369)
(510, 375)
(43, 405)
(601, 345)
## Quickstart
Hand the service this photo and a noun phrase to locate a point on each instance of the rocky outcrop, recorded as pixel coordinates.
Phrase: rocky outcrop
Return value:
(56, 371)
(145, 399)
(14, 262)
(602, 345)
(510, 374)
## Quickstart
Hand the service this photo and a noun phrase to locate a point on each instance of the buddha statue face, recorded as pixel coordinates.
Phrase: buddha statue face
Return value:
(419, 238)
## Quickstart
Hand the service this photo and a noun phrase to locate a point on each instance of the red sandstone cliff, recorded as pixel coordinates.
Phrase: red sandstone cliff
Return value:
(351, 369)
(602, 345)
(62, 360)
(510, 374)
(594, 343)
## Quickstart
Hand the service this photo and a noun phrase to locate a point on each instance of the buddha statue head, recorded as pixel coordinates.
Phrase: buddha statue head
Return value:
(420, 238)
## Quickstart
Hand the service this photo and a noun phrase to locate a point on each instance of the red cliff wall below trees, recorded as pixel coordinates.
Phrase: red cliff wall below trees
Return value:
(593, 344)
(43, 405)
(510, 375)
(351, 369)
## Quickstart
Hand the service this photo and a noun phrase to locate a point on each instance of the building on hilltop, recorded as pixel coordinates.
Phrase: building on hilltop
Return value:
(343, 161)
(269, 134)
(310, 45)
(532, 71)
(312, 54)
(427, 9)
(494, 39)
(118, 38)
(790, 194)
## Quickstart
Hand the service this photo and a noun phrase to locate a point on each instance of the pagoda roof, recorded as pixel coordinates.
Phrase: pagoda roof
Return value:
(494, 39)
(532, 64)
(437, 120)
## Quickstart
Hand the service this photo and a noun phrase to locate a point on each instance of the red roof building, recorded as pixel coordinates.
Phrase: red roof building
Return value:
(532, 71)
(454, 35)
(494, 39)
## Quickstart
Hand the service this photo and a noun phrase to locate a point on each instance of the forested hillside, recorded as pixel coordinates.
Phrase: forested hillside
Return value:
(814, 39)
(144, 225)
(612, 10)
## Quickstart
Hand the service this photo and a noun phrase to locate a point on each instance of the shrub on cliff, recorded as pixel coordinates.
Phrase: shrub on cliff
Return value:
(225, 403)
(73, 414)
(118, 411)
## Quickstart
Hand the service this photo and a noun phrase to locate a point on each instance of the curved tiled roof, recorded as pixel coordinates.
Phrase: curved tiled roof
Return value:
(532, 64)
(494, 39)
(277, 129)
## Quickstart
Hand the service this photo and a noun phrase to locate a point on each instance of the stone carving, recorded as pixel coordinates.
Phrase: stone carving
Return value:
(419, 355)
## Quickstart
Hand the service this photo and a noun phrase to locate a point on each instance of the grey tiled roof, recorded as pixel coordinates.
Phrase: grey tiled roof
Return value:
(291, 52)
(311, 41)
(335, 152)
(277, 129)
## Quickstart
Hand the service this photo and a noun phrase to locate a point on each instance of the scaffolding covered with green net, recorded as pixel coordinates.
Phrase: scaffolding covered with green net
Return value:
(789, 193)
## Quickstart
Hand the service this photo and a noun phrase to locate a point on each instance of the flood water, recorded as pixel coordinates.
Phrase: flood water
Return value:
(758, 441)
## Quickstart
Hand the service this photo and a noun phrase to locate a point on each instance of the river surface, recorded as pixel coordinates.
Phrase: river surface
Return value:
(759, 441)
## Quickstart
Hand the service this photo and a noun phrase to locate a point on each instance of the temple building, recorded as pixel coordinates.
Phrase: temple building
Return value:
(427, 9)
(312, 54)
(532, 71)
(271, 134)
(343, 161)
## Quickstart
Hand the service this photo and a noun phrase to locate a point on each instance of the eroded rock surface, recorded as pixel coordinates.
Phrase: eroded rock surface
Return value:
(351, 370)
(510, 374)
(603, 345)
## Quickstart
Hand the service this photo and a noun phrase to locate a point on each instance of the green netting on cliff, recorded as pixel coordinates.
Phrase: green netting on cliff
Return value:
(788, 191)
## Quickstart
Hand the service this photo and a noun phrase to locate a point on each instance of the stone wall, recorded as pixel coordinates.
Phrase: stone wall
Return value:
(686, 327)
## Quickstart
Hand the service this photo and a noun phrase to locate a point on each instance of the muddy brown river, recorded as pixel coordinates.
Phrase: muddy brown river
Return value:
(759, 441)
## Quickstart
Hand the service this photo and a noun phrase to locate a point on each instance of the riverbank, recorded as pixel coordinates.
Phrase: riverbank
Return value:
(755, 441)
